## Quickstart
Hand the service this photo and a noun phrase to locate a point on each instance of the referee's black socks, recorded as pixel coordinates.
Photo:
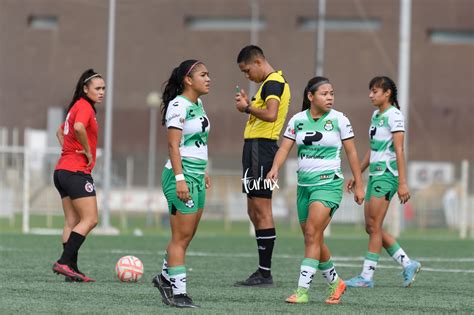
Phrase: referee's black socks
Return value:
(265, 242)
(71, 247)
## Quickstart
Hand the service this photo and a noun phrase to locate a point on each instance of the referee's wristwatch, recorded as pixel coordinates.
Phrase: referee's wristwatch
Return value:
(247, 109)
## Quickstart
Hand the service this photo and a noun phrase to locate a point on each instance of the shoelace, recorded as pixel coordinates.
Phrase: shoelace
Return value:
(405, 275)
(332, 289)
(300, 292)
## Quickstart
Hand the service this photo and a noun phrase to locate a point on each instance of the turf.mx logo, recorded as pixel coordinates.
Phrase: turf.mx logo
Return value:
(258, 183)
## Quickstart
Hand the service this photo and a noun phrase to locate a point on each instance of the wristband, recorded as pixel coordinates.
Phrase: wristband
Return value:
(179, 177)
(247, 109)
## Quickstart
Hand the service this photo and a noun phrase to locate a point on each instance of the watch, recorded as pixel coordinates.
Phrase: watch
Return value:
(247, 109)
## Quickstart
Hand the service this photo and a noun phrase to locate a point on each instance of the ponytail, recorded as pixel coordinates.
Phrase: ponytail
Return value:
(385, 83)
(84, 79)
(311, 87)
(174, 86)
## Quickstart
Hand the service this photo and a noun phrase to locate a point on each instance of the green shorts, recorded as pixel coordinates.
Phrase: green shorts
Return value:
(330, 195)
(197, 190)
(385, 185)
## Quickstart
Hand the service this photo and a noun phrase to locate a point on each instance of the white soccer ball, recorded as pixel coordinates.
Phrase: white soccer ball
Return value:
(129, 269)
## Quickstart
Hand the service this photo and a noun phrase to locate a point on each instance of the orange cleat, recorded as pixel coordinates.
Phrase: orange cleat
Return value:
(336, 290)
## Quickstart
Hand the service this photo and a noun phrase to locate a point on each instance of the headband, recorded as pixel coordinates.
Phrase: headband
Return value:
(92, 76)
(315, 86)
(191, 68)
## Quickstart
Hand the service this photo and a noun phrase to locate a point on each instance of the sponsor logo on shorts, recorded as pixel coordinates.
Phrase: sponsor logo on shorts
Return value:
(258, 183)
(89, 187)
(189, 203)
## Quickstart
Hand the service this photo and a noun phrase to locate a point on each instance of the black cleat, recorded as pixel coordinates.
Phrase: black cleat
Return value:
(256, 280)
(183, 301)
(164, 286)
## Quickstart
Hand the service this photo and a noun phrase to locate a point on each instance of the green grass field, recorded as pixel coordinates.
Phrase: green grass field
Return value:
(216, 259)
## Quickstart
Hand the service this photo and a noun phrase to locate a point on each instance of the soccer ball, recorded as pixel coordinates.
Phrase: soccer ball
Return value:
(129, 269)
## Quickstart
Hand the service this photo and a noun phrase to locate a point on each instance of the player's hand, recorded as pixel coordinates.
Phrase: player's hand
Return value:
(273, 175)
(359, 193)
(207, 181)
(350, 185)
(88, 156)
(403, 193)
(182, 191)
(241, 100)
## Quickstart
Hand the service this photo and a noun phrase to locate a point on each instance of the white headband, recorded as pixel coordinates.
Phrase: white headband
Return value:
(92, 76)
(315, 86)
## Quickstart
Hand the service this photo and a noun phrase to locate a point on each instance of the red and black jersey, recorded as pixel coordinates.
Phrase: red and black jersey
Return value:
(70, 160)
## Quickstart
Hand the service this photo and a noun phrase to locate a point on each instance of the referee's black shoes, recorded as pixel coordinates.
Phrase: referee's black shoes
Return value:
(257, 280)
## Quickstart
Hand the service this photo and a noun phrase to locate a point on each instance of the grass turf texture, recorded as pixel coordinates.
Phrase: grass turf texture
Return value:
(217, 259)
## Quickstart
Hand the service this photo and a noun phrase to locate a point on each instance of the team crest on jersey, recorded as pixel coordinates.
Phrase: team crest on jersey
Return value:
(328, 126)
(381, 122)
(89, 187)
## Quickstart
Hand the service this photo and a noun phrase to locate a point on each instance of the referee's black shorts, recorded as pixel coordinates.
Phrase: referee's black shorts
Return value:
(257, 160)
(74, 184)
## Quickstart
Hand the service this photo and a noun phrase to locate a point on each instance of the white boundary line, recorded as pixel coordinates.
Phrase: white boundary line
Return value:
(336, 259)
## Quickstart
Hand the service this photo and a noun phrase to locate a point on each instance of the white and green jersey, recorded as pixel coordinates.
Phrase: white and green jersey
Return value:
(192, 120)
(382, 151)
(319, 145)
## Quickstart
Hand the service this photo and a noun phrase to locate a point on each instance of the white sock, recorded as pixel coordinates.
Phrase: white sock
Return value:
(164, 269)
(370, 263)
(307, 270)
(178, 279)
(330, 275)
(328, 271)
(401, 257)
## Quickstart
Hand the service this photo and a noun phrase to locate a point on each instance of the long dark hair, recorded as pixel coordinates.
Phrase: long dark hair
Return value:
(385, 83)
(174, 86)
(312, 87)
(85, 79)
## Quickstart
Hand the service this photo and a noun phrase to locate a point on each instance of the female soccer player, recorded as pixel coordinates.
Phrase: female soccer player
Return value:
(72, 175)
(184, 177)
(319, 132)
(387, 176)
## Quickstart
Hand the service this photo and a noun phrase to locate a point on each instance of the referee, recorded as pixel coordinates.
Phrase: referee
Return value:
(267, 112)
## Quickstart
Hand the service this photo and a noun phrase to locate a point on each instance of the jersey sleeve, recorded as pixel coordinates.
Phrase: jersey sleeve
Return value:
(175, 115)
(290, 129)
(272, 89)
(396, 122)
(84, 115)
(345, 128)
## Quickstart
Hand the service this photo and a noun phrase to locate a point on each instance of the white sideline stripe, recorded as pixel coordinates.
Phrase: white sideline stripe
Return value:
(335, 258)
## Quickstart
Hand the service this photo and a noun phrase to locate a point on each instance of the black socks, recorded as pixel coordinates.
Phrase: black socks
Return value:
(71, 248)
(265, 242)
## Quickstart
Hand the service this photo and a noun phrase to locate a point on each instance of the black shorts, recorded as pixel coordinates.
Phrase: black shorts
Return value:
(257, 160)
(74, 184)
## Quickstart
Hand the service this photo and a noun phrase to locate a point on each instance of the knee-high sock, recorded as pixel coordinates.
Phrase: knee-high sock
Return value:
(71, 248)
(265, 243)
